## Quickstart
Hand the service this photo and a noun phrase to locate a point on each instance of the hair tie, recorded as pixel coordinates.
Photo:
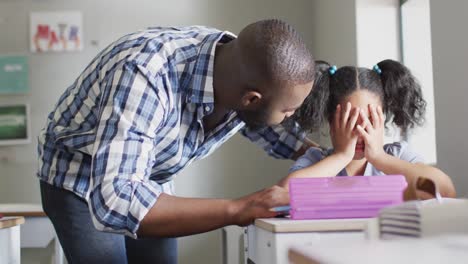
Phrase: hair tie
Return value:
(332, 70)
(377, 69)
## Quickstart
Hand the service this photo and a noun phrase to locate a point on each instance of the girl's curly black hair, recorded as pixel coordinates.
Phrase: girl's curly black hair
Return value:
(398, 90)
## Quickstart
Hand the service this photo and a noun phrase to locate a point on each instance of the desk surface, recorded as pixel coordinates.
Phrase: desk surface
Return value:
(286, 225)
(7, 222)
(21, 209)
(444, 249)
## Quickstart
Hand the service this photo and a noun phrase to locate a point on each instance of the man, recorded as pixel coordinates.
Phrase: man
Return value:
(147, 106)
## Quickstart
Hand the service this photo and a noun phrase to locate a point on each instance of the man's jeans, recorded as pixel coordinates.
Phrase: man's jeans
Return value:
(82, 243)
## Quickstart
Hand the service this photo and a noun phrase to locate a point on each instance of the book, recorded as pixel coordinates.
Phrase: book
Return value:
(424, 218)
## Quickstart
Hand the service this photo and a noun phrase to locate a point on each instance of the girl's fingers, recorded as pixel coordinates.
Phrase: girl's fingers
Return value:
(363, 133)
(353, 119)
(345, 114)
(381, 115)
(366, 124)
(337, 117)
(374, 116)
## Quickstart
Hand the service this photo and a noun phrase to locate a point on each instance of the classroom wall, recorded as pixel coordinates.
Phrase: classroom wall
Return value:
(450, 54)
(334, 31)
(238, 168)
(377, 31)
(417, 56)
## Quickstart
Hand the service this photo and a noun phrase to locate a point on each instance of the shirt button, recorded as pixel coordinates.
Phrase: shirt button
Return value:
(207, 108)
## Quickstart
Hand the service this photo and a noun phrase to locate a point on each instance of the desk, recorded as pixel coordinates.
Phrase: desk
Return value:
(10, 240)
(38, 231)
(268, 240)
(444, 249)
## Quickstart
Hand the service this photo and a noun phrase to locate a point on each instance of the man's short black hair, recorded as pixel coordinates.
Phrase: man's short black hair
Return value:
(277, 52)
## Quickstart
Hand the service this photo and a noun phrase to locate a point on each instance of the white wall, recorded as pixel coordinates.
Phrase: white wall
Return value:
(236, 169)
(332, 24)
(450, 57)
(417, 55)
(377, 31)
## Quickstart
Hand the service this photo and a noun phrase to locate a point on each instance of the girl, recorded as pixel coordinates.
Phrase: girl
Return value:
(358, 103)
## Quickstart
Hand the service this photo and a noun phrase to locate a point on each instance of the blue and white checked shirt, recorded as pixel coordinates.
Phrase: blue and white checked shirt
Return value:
(133, 119)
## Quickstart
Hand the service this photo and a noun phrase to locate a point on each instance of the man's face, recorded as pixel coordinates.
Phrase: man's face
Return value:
(277, 108)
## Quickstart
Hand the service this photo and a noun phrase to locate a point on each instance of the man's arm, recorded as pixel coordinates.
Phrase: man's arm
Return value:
(173, 216)
(307, 144)
(284, 142)
(131, 113)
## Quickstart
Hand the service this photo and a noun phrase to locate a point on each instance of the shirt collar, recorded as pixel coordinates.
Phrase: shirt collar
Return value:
(201, 87)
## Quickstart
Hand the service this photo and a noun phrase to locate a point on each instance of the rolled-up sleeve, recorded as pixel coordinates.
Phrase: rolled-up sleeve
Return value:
(278, 141)
(132, 112)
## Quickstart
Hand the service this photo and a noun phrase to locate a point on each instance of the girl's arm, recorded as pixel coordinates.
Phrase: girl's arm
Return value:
(412, 171)
(344, 139)
(388, 164)
(329, 166)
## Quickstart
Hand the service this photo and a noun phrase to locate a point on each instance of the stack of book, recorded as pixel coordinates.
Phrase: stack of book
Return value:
(427, 218)
(344, 197)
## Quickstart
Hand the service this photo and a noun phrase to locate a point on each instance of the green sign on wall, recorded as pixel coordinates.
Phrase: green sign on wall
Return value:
(14, 75)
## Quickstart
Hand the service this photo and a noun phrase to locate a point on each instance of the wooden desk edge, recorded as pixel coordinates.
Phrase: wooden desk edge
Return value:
(7, 222)
(358, 225)
(25, 214)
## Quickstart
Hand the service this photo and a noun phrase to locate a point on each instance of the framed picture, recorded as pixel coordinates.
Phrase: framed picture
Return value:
(14, 74)
(56, 31)
(14, 124)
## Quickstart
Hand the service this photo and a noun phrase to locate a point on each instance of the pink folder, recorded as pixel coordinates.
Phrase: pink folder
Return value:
(344, 197)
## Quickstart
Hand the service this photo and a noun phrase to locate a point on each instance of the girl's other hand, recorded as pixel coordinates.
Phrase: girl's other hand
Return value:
(372, 133)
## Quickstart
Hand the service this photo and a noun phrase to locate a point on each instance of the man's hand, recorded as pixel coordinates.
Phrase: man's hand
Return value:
(173, 216)
(257, 205)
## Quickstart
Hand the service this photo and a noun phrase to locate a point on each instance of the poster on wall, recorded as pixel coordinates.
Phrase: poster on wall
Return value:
(56, 31)
(14, 124)
(14, 75)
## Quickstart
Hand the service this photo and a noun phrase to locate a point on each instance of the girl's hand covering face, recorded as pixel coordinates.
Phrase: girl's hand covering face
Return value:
(343, 131)
(372, 132)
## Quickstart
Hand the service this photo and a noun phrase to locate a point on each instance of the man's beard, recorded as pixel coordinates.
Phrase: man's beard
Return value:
(254, 120)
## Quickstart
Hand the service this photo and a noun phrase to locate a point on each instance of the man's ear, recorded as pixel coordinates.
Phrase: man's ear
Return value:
(251, 99)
